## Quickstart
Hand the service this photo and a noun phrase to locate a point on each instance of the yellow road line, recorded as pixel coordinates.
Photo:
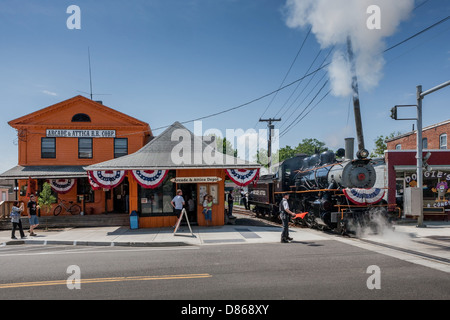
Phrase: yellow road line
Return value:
(100, 280)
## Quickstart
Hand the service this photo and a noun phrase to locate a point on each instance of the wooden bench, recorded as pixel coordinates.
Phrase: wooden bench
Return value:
(435, 211)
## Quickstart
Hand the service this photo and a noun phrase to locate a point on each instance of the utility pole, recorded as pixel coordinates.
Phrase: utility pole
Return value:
(271, 128)
(419, 153)
(420, 96)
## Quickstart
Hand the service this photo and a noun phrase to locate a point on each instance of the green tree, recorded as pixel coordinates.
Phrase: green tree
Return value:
(46, 199)
(308, 146)
(380, 144)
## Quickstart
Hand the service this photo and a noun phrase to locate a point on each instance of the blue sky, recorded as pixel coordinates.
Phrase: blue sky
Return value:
(175, 60)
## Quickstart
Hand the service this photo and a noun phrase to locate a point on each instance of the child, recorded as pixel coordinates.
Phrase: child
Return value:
(208, 215)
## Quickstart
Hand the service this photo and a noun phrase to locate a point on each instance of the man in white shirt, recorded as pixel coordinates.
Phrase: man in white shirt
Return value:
(178, 202)
(284, 215)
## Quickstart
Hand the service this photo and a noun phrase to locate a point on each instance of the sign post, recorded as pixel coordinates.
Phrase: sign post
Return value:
(183, 213)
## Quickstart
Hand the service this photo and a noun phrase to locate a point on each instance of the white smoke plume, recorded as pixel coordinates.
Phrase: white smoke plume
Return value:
(332, 21)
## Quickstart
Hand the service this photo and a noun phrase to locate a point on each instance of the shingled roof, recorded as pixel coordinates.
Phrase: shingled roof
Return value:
(175, 148)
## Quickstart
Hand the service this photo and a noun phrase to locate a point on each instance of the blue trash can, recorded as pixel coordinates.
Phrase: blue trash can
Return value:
(134, 220)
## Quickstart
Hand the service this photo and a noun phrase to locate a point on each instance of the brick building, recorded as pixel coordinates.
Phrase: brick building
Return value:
(401, 169)
(433, 137)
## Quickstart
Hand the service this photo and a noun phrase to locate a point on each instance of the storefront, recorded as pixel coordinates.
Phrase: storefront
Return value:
(56, 142)
(176, 159)
(402, 177)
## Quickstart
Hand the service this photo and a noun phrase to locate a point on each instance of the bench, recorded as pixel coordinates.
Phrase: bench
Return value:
(435, 211)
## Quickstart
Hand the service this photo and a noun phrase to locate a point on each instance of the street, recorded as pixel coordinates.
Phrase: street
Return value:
(297, 271)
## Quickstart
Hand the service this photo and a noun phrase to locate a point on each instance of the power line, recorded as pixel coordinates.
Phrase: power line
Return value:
(252, 101)
(418, 33)
(305, 76)
(290, 68)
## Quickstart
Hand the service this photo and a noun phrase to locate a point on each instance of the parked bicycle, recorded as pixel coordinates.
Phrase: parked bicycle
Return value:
(71, 207)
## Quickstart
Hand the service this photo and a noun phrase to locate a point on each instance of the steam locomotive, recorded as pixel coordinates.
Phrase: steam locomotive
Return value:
(332, 190)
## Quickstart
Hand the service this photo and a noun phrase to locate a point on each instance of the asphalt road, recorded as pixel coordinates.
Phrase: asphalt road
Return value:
(296, 271)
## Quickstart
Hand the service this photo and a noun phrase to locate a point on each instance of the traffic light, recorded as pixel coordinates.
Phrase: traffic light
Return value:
(394, 113)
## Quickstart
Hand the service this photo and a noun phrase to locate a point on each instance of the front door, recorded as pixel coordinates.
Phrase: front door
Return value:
(190, 198)
(121, 195)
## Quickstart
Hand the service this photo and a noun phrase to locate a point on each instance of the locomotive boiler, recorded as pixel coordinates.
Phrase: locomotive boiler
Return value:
(333, 191)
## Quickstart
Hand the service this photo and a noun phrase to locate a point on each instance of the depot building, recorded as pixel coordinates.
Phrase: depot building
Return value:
(107, 161)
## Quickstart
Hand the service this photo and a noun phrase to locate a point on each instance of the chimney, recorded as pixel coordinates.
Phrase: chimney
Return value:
(349, 148)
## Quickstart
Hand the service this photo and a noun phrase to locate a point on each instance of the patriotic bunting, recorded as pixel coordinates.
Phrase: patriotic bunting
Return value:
(149, 179)
(62, 185)
(364, 196)
(93, 184)
(243, 177)
(107, 179)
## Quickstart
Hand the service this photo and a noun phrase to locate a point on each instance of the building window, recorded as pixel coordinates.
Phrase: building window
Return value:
(48, 148)
(85, 148)
(425, 143)
(443, 141)
(120, 147)
(398, 147)
(81, 117)
(156, 202)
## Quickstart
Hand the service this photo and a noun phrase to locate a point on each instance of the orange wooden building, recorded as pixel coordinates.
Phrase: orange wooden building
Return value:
(177, 159)
(107, 161)
(56, 142)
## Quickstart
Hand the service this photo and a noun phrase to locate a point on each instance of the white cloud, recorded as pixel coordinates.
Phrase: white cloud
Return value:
(50, 93)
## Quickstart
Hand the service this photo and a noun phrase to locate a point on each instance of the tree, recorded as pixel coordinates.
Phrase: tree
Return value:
(380, 144)
(308, 146)
(46, 199)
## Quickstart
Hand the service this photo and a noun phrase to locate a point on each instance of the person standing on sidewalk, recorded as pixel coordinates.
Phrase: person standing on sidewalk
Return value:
(284, 215)
(32, 214)
(230, 203)
(15, 219)
(178, 203)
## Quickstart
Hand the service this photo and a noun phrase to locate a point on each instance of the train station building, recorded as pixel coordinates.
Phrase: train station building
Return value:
(109, 162)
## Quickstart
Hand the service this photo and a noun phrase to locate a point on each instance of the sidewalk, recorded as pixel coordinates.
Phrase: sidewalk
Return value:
(435, 235)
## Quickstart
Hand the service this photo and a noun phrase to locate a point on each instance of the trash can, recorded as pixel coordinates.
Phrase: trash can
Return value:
(134, 220)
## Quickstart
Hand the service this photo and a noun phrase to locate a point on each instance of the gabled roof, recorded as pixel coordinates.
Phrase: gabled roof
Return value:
(49, 112)
(175, 148)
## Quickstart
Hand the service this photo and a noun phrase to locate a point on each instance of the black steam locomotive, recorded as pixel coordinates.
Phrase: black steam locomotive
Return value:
(333, 191)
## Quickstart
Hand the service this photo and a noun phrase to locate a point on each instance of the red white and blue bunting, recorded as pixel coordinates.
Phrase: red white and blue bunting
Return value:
(107, 179)
(93, 184)
(149, 179)
(364, 196)
(243, 177)
(62, 185)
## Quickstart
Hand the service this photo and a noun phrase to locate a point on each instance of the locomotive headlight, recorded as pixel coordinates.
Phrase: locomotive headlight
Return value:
(362, 154)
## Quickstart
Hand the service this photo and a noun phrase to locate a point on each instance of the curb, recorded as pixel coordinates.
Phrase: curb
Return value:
(96, 243)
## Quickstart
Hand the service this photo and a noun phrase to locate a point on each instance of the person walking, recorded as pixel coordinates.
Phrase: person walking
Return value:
(15, 219)
(32, 214)
(285, 212)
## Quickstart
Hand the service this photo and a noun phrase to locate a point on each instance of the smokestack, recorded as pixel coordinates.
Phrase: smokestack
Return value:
(349, 148)
(356, 106)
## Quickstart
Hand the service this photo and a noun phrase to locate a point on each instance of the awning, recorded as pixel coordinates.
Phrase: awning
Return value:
(413, 168)
(44, 172)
